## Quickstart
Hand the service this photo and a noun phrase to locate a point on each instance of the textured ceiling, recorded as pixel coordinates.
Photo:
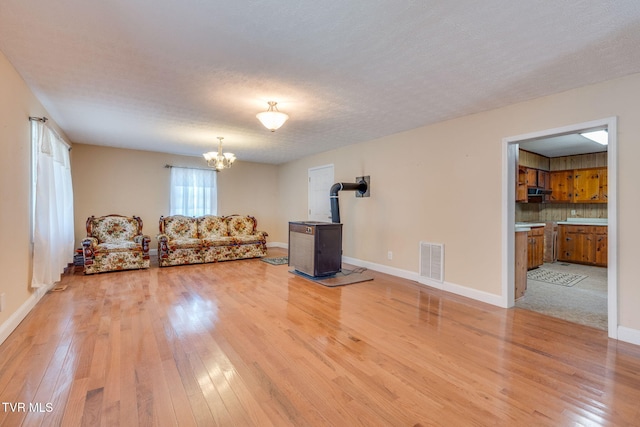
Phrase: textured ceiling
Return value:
(171, 76)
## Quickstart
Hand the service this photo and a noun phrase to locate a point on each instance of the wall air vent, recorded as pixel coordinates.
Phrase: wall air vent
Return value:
(432, 261)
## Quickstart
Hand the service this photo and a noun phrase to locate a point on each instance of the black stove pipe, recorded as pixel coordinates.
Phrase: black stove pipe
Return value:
(361, 187)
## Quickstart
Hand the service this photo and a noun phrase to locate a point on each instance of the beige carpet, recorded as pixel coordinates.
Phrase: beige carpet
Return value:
(584, 303)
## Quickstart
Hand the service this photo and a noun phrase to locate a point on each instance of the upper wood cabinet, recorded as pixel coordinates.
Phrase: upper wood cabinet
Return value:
(521, 184)
(537, 178)
(579, 186)
(589, 185)
(531, 178)
(561, 186)
(543, 179)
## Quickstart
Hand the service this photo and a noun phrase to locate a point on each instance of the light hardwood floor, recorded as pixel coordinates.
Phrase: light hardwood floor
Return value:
(248, 343)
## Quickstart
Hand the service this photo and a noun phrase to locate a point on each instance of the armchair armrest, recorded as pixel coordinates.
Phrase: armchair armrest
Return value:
(88, 245)
(261, 235)
(163, 246)
(143, 240)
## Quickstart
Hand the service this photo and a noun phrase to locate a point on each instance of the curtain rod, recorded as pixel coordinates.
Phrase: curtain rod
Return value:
(44, 120)
(167, 166)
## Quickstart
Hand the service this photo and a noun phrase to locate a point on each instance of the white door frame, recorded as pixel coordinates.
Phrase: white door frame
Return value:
(509, 161)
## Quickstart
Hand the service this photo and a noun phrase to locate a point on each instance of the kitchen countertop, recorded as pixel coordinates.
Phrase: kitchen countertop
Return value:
(585, 221)
(529, 225)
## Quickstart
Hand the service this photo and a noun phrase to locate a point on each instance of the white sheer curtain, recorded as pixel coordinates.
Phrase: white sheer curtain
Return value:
(53, 238)
(193, 192)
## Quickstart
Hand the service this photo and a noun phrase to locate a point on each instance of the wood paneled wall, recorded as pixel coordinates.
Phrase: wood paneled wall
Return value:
(543, 212)
(593, 160)
(533, 160)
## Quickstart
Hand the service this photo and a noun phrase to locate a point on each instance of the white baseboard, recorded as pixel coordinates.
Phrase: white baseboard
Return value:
(413, 276)
(278, 245)
(474, 294)
(629, 335)
(18, 316)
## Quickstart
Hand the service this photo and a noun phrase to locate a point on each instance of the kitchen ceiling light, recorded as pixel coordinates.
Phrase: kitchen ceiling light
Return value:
(219, 160)
(272, 119)
(599, 136)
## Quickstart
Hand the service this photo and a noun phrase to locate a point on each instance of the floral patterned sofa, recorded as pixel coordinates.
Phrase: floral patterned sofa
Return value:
(115, 242)
(209, 238)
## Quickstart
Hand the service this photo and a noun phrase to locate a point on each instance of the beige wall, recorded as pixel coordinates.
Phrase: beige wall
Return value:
(17, 103)
(131, 182)
(443, 185)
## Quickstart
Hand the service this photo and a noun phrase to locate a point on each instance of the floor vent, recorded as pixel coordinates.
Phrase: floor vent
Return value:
(432, 261)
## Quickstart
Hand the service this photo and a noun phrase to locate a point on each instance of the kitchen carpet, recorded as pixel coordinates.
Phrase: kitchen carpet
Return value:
(554, 277)
(344, 277)
(276, 261)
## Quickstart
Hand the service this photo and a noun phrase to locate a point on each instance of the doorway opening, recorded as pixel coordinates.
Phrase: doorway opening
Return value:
(511, 150)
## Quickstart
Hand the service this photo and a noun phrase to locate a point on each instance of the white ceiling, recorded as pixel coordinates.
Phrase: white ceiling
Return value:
(171, 76)
(562, 145)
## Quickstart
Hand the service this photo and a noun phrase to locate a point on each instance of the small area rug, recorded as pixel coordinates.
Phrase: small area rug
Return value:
(554, 277)
(344, 277)
(276, 261)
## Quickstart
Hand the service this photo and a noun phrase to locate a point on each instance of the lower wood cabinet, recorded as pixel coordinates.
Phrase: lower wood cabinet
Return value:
(520, 276)
(583, 244)
(535, 247)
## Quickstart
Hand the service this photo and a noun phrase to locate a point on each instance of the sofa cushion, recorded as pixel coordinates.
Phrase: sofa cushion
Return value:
(180, 227)
(114, 228)
(217, 241)
(123, 246)
(210, 226)
(185, 243)
(238, 225)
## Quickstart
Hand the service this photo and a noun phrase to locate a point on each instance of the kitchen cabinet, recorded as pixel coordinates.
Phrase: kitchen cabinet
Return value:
(531, 178)
(521, 184)
(520, 276)
(535, 247)
(590, 185)
(561, 183)
(602, 246)
(583, 244)
(543, 179)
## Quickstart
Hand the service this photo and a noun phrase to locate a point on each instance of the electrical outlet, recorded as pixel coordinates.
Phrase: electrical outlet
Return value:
(390, 255)
(2, 301)
(573, 211)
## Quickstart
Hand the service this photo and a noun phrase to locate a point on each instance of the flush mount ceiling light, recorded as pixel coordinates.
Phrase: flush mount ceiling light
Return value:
(272, 119)
(219, 160)
(599, 136)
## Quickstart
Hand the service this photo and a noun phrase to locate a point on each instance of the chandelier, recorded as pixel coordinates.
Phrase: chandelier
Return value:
(272, 119)
(219, 160)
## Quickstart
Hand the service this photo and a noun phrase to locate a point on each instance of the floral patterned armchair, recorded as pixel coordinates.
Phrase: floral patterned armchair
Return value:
(115, 242)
